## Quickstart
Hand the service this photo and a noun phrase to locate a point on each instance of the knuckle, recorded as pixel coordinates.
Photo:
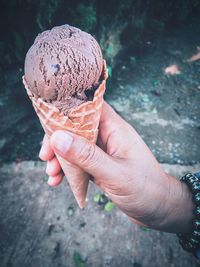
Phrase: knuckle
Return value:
(87, 154)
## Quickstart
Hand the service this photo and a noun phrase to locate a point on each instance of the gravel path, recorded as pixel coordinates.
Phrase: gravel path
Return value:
(43, 227)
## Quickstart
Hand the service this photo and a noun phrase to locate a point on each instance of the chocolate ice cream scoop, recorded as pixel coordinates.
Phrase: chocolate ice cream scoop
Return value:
(62, 66)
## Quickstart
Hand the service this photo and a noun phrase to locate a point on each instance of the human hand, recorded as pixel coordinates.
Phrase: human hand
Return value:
(123, 166)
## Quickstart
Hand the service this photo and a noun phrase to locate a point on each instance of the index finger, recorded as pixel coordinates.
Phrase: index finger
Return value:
(46, 152)
(110, 116)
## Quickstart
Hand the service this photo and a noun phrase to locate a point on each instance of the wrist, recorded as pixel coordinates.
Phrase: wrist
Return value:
(178, 208)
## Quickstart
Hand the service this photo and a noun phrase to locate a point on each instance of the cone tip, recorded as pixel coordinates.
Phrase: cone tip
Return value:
(81, 203)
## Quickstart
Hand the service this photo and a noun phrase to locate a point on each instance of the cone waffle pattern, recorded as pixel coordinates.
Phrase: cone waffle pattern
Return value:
(82, 120)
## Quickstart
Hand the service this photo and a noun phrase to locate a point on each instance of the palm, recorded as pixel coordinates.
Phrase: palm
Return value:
(115, 135)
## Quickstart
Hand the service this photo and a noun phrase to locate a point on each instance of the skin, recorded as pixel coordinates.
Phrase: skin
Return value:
(123, 166)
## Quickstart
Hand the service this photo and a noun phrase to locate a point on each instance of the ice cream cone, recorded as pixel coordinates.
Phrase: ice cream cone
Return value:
(83, 121)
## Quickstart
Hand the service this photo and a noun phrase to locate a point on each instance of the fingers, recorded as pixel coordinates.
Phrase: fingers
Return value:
(108, 115)
(54, 171)
(46, 152)
(55, 180)
(84, 154)
(53, 167)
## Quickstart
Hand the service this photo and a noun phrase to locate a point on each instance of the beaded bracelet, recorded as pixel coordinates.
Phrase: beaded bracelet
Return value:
(191, 241)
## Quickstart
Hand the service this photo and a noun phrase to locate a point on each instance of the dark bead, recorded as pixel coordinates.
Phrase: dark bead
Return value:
(181, 240)
(194, 241)
(197, 211)
(196, 198)
(190, 242)
(188, 246)
(188, 175)
(197, 224)
(193, 179)
(184, 178)
(196, 234)
(196, 187)
(184, 237)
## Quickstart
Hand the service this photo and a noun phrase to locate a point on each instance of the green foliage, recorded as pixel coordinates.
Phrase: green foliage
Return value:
(84, 17)
(45, 12)
(2, 47)
(109, 206)
(158, 25)
(18, 45)
(110, 49)
(144, 228)
(109, 68)
(78, 261)
(45, 178)
(97, 198)
(70, 211)
(101, 199)
(133, 61)
(117, 24)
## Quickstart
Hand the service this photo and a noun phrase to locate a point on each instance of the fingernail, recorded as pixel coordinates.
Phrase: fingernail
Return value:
(62, 141)
(42, 152)
(43, 148)
(48, 168)
(50, 180)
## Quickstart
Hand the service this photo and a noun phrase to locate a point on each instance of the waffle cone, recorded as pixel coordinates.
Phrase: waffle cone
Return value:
(83, 121)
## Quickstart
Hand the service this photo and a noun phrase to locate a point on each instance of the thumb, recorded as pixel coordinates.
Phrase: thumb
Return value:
(84, 154)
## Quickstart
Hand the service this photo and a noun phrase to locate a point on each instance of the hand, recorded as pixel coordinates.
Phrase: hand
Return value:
(123, 166)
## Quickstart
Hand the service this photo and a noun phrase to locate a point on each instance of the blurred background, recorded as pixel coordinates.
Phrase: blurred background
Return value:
(139, 39)
(152, 49)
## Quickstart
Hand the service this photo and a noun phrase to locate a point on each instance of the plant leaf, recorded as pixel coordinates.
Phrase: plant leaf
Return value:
(78, 261)
(109, 206)
(97, 197)
(45, 178)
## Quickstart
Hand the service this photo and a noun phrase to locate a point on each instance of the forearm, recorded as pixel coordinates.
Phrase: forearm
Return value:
(178, 208)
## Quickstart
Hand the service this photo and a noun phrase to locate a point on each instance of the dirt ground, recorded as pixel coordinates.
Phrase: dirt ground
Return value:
(43, 227)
